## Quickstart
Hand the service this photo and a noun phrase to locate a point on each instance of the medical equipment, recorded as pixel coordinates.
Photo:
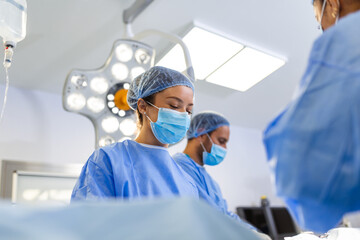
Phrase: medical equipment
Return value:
(100, 94)
(274, 221)
(35, 182)
(13, 15)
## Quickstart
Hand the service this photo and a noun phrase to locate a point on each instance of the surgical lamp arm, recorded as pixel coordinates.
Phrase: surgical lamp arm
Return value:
(175, 39)
(131, 13)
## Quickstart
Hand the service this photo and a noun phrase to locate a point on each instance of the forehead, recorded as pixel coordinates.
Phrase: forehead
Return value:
(223, 131)
(182, 92)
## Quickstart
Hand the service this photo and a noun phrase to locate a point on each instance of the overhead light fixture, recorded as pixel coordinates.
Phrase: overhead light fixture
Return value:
(208, 52)
(222, 61)
(101, 94)
(245, 69)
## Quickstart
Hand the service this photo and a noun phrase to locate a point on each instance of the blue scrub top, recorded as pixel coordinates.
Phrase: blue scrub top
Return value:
(209, 190)
(132, 170)
(313, 146)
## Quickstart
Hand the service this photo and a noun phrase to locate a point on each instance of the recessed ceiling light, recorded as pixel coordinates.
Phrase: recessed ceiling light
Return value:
(245, 69)
(208, 51)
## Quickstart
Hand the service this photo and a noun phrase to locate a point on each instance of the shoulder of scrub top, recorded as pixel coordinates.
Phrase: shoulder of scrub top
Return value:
(338, 46)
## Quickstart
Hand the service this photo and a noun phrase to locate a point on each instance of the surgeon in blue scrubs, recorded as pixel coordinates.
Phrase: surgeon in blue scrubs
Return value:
(143, 168)
(208, 136)
(313, 146)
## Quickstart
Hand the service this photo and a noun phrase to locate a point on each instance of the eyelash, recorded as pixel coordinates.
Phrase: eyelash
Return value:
(175, 107)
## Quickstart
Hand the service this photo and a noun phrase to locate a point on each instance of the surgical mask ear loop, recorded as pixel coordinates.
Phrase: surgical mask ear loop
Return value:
(203, 144)
(322, 14)
(338, 13)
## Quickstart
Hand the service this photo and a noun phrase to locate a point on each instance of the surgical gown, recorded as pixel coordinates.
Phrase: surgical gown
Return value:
(132, 170)
(209, 190)
(313, 146)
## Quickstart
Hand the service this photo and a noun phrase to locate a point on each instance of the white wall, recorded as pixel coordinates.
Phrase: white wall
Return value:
(244, 175)
(36, 128)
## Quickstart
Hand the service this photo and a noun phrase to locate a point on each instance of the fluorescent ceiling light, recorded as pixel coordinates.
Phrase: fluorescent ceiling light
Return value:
(208, 52)
(245, 69)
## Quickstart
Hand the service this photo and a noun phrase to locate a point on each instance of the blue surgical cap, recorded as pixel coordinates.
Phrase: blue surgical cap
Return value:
(206, 122)
(153, 81)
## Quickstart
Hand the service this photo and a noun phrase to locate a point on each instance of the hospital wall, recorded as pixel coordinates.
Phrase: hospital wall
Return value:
(36, 128)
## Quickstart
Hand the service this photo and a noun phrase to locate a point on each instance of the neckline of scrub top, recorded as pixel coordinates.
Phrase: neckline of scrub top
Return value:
(152, 146)
(198, 165)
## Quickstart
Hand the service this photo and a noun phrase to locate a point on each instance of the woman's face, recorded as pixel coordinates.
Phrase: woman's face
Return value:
(178, 98)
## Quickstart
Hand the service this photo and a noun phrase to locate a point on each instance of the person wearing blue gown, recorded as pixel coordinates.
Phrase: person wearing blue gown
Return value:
(313, 146)
(143, 168)
(207, 136)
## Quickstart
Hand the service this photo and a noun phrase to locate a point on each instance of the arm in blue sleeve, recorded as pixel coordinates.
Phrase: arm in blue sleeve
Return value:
(96, 179)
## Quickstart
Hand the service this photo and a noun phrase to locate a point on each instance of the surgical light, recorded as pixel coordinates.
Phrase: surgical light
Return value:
(110, 124)
(120, 71)
(75, 101)
(124, 53)
(99, 84)
(104, 91)
(128, 127)
(245, 69)
(142, 57)
(96, 104)
(79, 81)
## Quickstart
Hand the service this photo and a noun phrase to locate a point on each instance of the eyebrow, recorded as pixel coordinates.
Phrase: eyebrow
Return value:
(180, 100)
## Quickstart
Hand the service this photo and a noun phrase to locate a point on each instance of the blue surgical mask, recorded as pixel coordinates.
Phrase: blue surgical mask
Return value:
(216, 154)
(171, 126)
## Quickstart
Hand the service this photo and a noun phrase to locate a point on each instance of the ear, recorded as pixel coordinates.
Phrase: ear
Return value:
(141, 104)
(335, 7)
(201, 138)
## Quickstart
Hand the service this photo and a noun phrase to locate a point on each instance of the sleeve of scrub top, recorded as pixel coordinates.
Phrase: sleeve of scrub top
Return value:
(96, 179)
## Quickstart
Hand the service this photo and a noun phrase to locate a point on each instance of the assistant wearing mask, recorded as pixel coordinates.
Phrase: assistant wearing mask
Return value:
(208, 136)
(313, 146)
(163, 100)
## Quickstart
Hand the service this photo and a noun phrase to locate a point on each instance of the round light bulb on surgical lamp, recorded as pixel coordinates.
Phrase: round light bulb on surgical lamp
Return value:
(142, 57)
(126, 86)
(122, 113)
(95, 104)
(128, 127)
(110, 124)
(120, 71)
(104, 141)
(136, 71)
(99, 85)
(115, 110)
(111, 104)
(124, 52)
(76, 101)
(110, 97)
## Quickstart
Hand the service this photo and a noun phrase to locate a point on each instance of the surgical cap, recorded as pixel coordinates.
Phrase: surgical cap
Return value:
(155, 80)
(206, 122)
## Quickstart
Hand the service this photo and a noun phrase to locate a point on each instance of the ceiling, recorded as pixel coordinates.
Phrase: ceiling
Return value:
(67, 34)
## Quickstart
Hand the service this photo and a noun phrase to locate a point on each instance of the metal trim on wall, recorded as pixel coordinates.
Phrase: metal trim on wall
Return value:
(9, 167)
